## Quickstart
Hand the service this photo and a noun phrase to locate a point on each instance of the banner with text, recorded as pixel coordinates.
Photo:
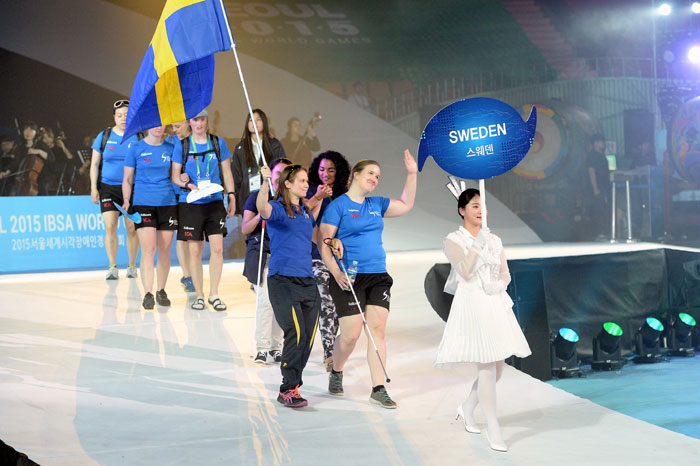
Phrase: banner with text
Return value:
(54, 233)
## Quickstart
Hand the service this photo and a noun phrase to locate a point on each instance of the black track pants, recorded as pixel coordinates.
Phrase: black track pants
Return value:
(296, 304)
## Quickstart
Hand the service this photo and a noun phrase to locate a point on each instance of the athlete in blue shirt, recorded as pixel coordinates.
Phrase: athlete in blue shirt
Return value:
(268, 334)
(204, 218)
(147, 171)
(293, 293)
(182, 131)
(106, 172)
(357, 220)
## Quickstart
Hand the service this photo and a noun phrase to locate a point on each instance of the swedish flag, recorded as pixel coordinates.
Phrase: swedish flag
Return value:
(176, 78)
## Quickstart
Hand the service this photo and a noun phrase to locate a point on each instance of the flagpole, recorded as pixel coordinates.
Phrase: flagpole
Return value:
(482, 198)
(258, 141)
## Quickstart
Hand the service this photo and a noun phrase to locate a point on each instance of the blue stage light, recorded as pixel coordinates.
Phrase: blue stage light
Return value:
(647, 341)
(564, 358)
(682, 336)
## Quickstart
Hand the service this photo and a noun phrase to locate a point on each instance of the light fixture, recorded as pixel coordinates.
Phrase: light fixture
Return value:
(607, 354)
(695, 7)
(694, 54)
(682, 336)
(647, 341)
(563, 355)
(664, 9)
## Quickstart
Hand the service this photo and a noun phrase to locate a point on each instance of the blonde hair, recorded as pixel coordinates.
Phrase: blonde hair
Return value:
(359, 166)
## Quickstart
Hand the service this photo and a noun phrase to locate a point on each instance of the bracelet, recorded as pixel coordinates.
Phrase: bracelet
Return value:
(230, 193)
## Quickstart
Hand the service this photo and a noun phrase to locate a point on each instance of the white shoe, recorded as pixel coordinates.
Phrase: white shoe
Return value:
(112, 273)
(496, 446)
(132, 271)
(468, 427)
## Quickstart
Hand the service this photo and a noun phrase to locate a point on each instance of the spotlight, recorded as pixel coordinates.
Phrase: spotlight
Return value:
(682, 336)
(694, 54)
(647, 341)
(564, 358)
(664, 9)
(607, 354)
(695, 7)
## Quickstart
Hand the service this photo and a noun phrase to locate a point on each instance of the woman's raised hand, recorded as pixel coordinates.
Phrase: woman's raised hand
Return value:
(265, 172)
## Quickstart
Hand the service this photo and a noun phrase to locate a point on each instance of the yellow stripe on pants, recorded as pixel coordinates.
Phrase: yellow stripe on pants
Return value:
(296, 324)
(313, 335)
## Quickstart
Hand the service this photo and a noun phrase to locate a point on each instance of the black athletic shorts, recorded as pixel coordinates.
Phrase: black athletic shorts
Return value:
(111, 194)
(162, 217)
(370, 288)
(199, 221)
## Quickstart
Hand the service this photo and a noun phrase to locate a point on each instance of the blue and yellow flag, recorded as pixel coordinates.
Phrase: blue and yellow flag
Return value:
(176, 78)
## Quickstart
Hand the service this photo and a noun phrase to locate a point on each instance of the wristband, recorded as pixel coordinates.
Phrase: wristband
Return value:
(231, 193)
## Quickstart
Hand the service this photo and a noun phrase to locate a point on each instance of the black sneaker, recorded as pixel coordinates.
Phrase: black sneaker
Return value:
(148, 301)
(162, 298)
(382, 398)
(275, 355)
(335, 383)
(261, 357)
(291, 399)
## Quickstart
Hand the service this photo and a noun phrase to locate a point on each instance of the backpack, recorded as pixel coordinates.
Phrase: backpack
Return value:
(105, 137)
(216, 148)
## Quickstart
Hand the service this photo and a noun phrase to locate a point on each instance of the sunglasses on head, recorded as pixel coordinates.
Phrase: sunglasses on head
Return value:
(121, 103)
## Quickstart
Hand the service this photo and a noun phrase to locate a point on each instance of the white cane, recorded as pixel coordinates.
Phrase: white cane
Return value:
(357, 301)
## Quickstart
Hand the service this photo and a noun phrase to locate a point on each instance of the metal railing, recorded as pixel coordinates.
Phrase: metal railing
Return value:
(455, 88)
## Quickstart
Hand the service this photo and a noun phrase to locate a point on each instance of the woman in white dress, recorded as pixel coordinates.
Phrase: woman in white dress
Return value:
(481, 328)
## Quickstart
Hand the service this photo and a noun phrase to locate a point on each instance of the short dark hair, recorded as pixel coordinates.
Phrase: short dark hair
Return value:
(30, 124)
(597, 137)
(464, 198)
(276, 162)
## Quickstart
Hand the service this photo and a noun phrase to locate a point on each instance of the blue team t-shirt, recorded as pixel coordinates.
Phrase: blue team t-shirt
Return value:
(360, 228)
(174, 140)
(113, 157)
(152, 186)
(290, 242)
(210, 158)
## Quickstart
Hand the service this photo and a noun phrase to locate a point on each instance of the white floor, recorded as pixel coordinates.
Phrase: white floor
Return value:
(88, 377)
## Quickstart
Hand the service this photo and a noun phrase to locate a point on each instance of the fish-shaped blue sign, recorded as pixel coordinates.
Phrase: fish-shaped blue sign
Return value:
(477, 138)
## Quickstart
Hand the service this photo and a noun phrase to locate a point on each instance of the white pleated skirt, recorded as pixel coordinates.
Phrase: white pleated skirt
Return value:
(481, 328)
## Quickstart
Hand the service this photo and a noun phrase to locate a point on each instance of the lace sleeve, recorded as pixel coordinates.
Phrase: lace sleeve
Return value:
(504, 274)
(461, 263)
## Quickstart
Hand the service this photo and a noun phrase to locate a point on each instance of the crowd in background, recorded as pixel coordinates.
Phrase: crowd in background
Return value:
(44, 161)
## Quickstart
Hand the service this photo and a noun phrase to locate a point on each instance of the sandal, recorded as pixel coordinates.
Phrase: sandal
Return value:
(217, 304)
(198, 304)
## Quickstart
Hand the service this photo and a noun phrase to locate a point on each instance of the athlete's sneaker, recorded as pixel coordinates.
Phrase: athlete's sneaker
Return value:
(187, 284)
(297, 396)
(261, 357)
(148, 301)
(132, 271)
(113, 273)
(291, 399)
(162, 298)
(382, 398)
(335, 383)
(275, 356)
